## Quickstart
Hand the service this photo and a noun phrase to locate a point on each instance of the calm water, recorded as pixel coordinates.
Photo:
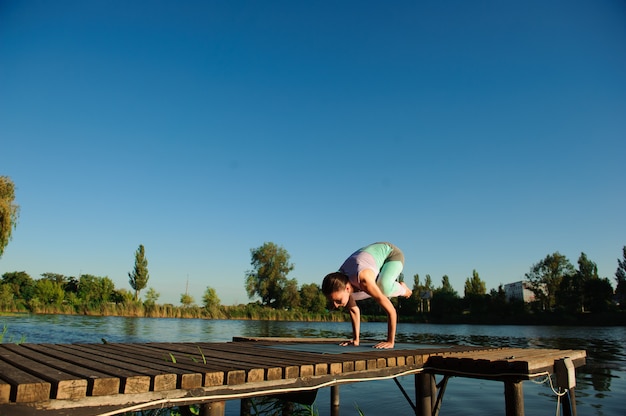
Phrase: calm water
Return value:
(600, 385)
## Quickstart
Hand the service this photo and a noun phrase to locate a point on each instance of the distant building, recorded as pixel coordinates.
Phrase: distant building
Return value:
(519, 291)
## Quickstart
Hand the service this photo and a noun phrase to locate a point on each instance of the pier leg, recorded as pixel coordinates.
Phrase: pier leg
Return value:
(212, 409)
(334, 400)
(245, 407)
(569, 406)
(425, 394)
(514, 398)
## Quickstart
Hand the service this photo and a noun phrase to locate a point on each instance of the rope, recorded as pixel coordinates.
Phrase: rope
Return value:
(231, 396)
(222, 397)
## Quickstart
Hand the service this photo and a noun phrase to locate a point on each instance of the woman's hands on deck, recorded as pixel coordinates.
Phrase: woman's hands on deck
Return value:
(380, 345)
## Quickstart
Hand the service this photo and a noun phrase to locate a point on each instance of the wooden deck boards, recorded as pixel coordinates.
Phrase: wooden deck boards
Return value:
(91, 378)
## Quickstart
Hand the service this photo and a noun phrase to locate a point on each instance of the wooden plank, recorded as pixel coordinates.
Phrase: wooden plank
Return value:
(530, 361)
(498, 364)
(5, 392)
(263, 354)
(161, 379)
(231, 368)
(238, 353)
(272, 367)
(348, 352)
(190, 375)
(540, 364)
(98, 384)
(25, 387)
(131, 380)
(209, 375)
(183, 376)
(62, 384)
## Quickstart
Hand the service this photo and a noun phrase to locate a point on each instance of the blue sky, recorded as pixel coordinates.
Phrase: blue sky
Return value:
(473, 135)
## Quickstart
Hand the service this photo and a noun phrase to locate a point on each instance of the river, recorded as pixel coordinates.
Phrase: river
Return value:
(600, 385)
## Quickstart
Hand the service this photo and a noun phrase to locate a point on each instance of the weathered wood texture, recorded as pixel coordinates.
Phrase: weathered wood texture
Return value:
(89, 379)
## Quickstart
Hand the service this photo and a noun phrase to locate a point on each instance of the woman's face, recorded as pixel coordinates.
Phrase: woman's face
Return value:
(340, 298)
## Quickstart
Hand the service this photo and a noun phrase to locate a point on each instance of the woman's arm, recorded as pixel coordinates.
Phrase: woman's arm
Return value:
(355, 318)
(367, 280)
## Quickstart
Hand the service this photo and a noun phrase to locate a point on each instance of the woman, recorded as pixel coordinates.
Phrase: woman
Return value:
(371, 271)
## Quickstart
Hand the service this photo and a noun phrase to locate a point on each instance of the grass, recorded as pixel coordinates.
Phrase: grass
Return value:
(3, 334)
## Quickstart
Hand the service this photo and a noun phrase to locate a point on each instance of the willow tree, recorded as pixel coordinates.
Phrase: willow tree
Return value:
(8, 211)
(138, 278)
(268, 278)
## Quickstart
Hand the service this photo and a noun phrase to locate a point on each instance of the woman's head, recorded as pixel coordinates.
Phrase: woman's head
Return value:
(337, 289)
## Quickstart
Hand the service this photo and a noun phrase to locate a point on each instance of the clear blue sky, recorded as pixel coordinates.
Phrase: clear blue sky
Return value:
(474, 135)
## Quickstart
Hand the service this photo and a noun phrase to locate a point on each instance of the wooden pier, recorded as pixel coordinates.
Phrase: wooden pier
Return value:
(108, 379)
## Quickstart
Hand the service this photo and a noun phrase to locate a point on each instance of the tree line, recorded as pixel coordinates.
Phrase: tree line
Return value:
(561, 292)
(558, 286)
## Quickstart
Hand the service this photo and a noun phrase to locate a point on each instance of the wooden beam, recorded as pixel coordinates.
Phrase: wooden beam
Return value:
(425, 394)
(334, 400)
(514, 398)
(212, 409)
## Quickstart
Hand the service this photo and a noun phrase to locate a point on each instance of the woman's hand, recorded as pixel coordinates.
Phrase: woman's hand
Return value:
(384, 345)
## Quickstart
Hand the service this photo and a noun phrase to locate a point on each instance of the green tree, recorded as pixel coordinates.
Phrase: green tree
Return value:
(420, 298)
(49, 292)
(620, 276)
(290, 296)
(9, 211)
(210, 300)
(187, 300)
(268, 277)
(599, 293)
(21, 284)
(417, 286)
(71, 286)
(138, 278)
(445, 300)
(474, 286)
(7, 299)
(55, 277)
(545, 277)
(571, 295)
(122, 296)
(94, 290)
(475, 294)
(312, 299)
(446, 286)
(151, 297)
(428, 283)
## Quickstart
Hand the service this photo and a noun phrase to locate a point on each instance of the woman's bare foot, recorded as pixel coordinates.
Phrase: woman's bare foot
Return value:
(407, 291)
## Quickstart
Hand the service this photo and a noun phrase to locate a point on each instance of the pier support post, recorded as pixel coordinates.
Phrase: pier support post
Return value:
(245, 407)
(569, 406)
(514, 398)
(334, 400)
(425, 394)
(212, 409)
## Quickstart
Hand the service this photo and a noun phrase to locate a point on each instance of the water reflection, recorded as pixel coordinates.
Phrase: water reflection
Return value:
(130, 327)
